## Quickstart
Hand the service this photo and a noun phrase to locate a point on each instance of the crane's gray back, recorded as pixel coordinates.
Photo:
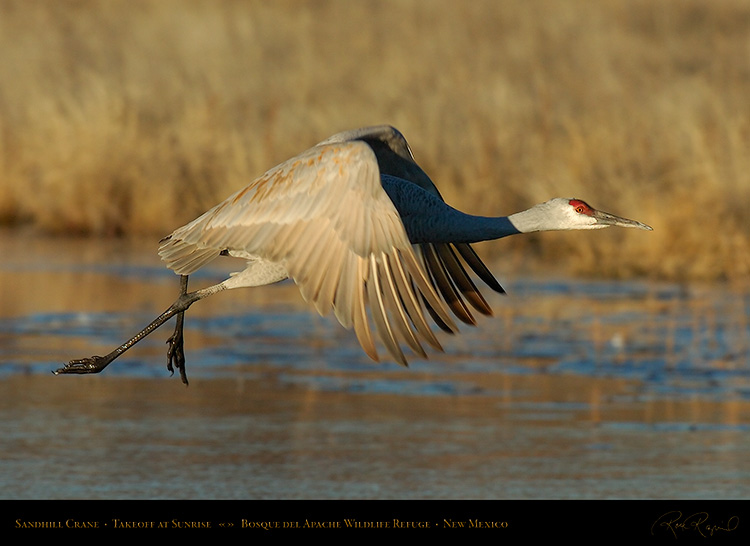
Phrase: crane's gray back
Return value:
(392, 153)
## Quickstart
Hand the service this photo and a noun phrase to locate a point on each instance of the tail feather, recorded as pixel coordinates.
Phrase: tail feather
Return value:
(185, 258)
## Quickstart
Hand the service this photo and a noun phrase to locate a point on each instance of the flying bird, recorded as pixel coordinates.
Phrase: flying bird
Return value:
(363, 232)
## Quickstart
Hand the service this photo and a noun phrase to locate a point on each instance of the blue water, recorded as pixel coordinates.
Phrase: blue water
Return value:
(574, 389)
(677, 351)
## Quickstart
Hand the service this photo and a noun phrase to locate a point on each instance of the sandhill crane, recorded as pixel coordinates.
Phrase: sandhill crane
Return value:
(358, 226)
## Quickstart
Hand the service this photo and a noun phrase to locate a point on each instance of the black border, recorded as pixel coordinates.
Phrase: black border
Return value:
(662, 520)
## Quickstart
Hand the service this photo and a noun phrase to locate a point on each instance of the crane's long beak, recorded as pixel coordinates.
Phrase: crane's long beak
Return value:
(607, 219)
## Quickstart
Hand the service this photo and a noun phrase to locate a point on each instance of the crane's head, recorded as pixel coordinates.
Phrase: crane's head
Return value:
(563, 213)
(581, 215)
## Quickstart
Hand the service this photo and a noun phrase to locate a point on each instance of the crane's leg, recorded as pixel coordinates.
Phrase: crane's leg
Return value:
(96, 364)
(175, 342)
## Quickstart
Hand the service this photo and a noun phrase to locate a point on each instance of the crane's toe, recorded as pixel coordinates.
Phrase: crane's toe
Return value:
(93, 364)
(176, 354)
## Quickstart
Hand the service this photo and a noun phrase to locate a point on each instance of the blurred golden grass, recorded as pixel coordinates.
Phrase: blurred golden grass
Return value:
(122, 117)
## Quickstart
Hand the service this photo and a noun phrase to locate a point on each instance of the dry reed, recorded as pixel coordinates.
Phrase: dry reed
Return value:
(131, 117)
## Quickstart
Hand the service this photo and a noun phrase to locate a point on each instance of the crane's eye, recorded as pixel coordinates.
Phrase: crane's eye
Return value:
(581, 207)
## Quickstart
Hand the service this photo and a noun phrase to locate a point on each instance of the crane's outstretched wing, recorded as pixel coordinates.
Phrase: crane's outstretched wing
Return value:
(446, 270)
(326, 219)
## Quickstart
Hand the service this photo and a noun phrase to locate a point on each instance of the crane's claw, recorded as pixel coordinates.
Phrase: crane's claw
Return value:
(176, 354)
(93, 364)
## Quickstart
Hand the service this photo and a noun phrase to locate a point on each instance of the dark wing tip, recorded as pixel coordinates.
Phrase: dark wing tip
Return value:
(476, 264)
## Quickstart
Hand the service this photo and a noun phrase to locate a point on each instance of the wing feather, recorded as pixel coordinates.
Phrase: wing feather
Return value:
(378, 311)
(401, 319)
(405, 289)
(461, 279)
(471, 258)
(445, 285)
(359, 311)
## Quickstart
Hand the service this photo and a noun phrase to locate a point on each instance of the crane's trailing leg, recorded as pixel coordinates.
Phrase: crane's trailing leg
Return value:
(175, 354)
(175, 342)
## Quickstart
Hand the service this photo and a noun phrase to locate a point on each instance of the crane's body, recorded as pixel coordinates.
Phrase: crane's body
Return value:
(364, 232)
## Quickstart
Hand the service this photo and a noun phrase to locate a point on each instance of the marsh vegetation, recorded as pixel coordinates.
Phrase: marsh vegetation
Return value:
(129, 118)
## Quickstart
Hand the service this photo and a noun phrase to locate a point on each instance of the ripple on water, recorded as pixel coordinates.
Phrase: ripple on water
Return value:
(671, 340)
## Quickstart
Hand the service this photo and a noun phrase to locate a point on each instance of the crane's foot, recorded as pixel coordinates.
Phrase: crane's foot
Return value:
(176, 353)
(93, 364)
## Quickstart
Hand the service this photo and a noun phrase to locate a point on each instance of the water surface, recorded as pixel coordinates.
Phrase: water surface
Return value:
(573, 390)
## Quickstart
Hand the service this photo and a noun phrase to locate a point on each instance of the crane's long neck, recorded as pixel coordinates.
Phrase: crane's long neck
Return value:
(428, 219)
(454, 226)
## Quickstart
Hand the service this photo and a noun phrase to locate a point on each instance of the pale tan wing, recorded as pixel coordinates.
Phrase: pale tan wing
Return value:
(326, 219)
